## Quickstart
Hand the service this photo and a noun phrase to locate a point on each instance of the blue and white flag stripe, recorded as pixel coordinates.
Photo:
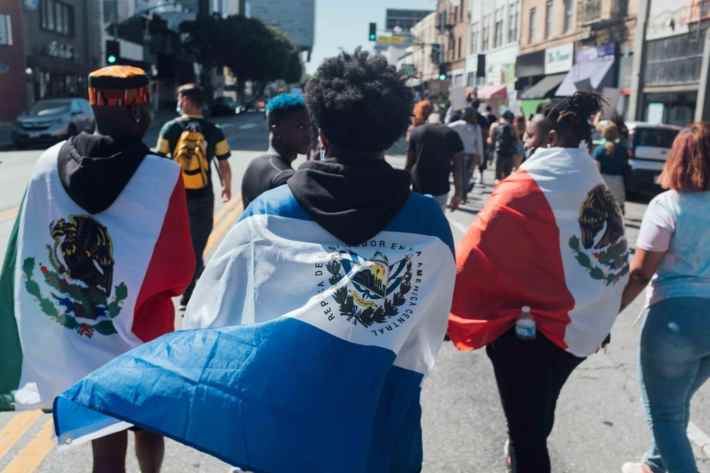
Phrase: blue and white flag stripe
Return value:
(325, 375)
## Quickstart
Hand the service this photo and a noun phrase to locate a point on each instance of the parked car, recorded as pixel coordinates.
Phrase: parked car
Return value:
(53, 120)
(649, 145)
(226, 106)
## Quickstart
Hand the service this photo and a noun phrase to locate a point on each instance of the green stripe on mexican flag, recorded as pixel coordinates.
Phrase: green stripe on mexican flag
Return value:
(10, 347)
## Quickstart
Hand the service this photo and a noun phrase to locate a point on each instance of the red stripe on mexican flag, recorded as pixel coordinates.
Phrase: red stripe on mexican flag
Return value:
(76, 289)
(552, 238)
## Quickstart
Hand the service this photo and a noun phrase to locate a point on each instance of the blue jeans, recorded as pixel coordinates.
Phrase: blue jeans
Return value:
(675, 362)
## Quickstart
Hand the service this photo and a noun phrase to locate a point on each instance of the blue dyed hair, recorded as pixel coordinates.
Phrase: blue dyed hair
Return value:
(282, 105)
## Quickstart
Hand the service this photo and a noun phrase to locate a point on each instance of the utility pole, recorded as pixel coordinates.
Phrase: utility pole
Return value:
(702, 106)
(203, 14)
(635, 112)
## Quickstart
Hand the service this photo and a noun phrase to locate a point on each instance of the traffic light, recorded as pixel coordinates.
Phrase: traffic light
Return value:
(113, 51)
(436, 53)
(443, 72)
(373, 32)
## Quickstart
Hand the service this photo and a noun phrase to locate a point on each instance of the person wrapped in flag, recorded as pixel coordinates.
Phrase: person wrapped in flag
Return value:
(317, 317)
(100, 246)
(540, 276)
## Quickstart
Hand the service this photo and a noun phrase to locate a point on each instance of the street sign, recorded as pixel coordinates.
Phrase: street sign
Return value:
(393, 40)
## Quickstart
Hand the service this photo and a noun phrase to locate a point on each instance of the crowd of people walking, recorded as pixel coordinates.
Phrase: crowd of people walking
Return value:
(346, 263)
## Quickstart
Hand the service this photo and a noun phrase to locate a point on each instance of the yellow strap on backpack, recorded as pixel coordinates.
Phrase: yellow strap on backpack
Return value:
(191, 155)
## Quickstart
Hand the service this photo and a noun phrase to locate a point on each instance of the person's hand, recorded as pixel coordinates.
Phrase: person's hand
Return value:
(455, 202)
(226, 194)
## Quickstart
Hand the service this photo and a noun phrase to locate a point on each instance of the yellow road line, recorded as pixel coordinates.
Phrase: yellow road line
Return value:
(16, 428)
(230, 206)
(8, 214)
(32, 456)
(222, 227)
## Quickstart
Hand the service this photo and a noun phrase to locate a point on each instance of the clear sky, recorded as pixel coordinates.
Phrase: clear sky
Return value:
(344, 23)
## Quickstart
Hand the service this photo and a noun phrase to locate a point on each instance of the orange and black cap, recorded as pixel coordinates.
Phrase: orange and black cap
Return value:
(118, 86)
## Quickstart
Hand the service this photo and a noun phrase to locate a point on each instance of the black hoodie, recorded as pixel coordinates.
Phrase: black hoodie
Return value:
(354, 202)
(94, 169)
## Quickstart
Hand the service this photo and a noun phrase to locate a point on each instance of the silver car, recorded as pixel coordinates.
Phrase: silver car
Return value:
(649, 146)
(53, 120)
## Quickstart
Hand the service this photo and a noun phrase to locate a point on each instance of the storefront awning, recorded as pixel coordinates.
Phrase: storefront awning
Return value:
(544, 88)
(585, 75)
(491, 92)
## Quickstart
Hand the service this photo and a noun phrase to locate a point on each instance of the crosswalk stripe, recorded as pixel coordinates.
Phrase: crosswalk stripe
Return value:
(8, 214)
(16, 428)
(32, 456)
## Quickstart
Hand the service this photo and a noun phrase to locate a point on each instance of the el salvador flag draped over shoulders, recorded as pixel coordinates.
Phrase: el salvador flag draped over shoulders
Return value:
(321, 348)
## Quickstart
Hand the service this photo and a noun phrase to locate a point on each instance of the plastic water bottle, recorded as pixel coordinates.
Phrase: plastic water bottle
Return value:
(525, 327)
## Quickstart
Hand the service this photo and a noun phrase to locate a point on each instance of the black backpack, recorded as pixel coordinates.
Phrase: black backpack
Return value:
(505, 140)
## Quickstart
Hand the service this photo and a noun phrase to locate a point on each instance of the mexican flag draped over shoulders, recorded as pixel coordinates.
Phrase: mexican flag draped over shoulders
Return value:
(550, 237)
(77, 289)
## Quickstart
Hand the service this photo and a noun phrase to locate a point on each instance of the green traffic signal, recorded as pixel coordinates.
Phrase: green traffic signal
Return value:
(111, 59)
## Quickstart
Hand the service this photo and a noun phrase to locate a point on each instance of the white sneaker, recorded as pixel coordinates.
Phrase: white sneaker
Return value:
(635, 468)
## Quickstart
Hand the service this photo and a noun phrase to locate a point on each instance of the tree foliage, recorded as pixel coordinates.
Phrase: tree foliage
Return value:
(252, 50)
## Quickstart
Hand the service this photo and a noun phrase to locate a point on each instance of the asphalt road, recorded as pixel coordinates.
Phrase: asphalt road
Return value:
(600, 421)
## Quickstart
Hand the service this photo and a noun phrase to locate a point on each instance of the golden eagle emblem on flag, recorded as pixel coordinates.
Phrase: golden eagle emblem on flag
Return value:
(375, 287)
(602, 249)
(80, 275)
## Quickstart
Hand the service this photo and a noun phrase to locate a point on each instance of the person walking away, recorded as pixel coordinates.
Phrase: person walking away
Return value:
(536, 134)
(289, 135)
(433, 151)
(100, 246)
(193, 142)
(342, 268)
(611, 156)
(520, 126)
(504, 142)
(542, 304)
(672, 253)
(422, 111)
(470, 133)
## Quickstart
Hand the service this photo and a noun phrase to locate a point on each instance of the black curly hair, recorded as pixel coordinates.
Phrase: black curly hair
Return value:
(571, 117)
(359, 102)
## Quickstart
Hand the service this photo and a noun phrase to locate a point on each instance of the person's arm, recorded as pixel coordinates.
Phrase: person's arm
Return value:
(162, 147)
(654, 241)
(643, 267)
(479, 143)
(222, 153)
(411, 155)
(492, 134)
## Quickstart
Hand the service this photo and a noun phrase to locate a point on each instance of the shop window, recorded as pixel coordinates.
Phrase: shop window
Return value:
(5, 30)
(57, 17)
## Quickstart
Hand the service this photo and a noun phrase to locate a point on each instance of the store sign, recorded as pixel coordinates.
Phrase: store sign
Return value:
(60, 50)
(559, 59)
(592, 53)
(668, 18)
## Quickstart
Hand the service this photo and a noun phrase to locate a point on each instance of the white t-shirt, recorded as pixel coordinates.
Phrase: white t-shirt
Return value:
(470, 136)
(678, 224)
